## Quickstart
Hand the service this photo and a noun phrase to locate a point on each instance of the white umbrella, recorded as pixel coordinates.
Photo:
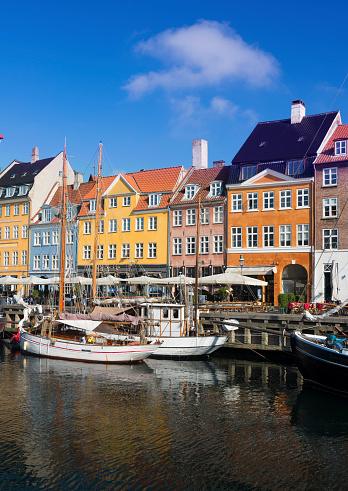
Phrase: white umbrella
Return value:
(230, 279)
(141, 280)
(175, 280)
(108, 280)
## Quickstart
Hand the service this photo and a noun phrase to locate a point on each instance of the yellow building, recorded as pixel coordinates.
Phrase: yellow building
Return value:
(134, 226)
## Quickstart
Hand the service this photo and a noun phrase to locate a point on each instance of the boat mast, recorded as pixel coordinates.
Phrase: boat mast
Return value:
(196, 271)
(62, 241)
(96, 226)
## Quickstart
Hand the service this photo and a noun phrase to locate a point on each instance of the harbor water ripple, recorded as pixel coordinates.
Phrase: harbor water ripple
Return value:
(217, 424)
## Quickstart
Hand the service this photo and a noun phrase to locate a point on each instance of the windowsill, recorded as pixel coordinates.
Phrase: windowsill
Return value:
(334, 217)
(285, 208)
(268, 209)
(302, 208)
(329, 185)
(253, 209)
(177, 225)
(236, 211)
(136, 231)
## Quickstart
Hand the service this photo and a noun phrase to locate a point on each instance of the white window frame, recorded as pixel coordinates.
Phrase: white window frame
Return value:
(205, 216)
(218, 214)
(46, 261)
(177, 246)
(154, 200)
(24, 231)
(190, 245)
(100, 252)
(191, 216)
(285, 199)
(215, 188)
(55, 237)
(87, 228)
(341, 147)
(303, 234)
(152, 250)
(248, 171)
(37, 260)
(112, 251)
(237, 202)
(24, 258)
(9, 192)
(15, 231)
(295, 167)
(87, 251)
(55, 261)
(330, 238)
(7, 210)
(139, 250)
(37, 238)
(330, 207)
(46, 238)
(330, 176)
(46, 215)
(126, 200)
(236, 237)
(112, 225)
(253, 201)
(152, 224)
(92, 205)
(113, 203)
(69, 236)
(125, 251)
(177, 218)
(268, 236)
(25, 208)
(125, 224)
(15, 258)
(190, 191)
(218, 244)
(252, 237)
(284, 235)
(139, 224)
(302, 197)
(16, 209)
(268, 200)
(204, 244)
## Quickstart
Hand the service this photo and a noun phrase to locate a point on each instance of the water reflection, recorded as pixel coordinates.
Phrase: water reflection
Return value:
(215, 424)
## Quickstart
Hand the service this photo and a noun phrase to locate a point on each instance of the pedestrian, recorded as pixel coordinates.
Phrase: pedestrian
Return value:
(231, 294)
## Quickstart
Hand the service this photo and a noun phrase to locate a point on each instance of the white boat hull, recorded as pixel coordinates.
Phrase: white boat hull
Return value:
(70, 350)
(188, 346)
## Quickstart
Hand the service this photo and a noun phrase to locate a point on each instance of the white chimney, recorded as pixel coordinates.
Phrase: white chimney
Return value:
(298, 111)
(78, 179)
(200, 154)
(34, 155)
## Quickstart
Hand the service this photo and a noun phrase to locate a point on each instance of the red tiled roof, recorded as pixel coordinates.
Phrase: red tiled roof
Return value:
(328, 154)
(203, 178)
(143, 203)
(155, 180)
(75, 196)
(105, 183)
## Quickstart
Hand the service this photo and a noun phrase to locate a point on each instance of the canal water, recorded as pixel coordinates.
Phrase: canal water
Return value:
(167, 425)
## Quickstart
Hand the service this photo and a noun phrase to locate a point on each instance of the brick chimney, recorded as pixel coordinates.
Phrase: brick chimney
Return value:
(218, 163)
(298, 111)
(200, 154)
(34, 155)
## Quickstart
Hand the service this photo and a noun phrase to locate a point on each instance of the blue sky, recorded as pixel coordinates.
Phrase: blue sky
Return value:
(146, 78)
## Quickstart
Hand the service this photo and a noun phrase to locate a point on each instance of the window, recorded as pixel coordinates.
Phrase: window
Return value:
(139, 250)
(87, 228)
(55, 261)
(7, 210)
(190, 191)
(303, 198)
(55, 237)
(268, 236)
(9, 192)
(252, 237)
(341, 147)
(152, 250)
(177, 246)
(330, 176)
(154, 199)
(253, 201)
(218, 214)
(25, 208)
(139, 224)
(7, 233)
(36, 262)
(46, 238)
(15, 232)
(70, 237)
(113, 225)
(69, 212)
(37, 238)
(100, 252)
(285, 235)
(190, 245)
(152, 223)
(303, 234)
(45, 261)
(22, 190)
(218, 244)
(125, 224)
(215, 188)
(46, 215)
(204, 216)
(236, 237)
(69, 262)
(112, 251)
(177, 218)
(87, 252)
(329, 207)
(295, 167)
(24, 258)
(16, 209)
(7, 258)
(237, 204)
(93, 205)
(248, 171)
(125, 251)
(101, 227)
(268, 200)
(204, 244)
(330, 238)
(126, 200)
(15, 258)
(191, 217)
(285, 199)
(113, 202)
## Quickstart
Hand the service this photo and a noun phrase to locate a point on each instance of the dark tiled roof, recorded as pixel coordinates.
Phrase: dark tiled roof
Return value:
(23, 172)
(281, 140)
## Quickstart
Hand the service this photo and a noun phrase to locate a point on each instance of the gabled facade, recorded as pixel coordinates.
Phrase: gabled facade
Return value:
(134, 240)
(270, 200)
(331, 218)
(23, 188)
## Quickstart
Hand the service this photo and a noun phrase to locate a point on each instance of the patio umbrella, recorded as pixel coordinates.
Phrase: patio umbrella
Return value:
(141, 280)
(230, 279)
(108, 280)
(175, 280)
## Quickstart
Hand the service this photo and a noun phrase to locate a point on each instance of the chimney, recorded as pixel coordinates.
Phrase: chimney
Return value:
(200, 154)
(218, 163)
(34, 155)
(298, 111)
(78, 179)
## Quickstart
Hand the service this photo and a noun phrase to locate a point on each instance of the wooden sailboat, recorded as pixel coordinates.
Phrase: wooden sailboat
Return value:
(76, 339)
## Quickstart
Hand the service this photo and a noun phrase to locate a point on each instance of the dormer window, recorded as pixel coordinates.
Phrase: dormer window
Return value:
(35, 172)
(9, 192)
(22, 190)
(69, 212)
(341, 147)
(154, 199)
(248, 171)
(13, 176)
(215, 188)
(262, 144)
(46, 215)
(295, 167)
(190, 191)
(24, 174)
(93, 206)
(300, 139)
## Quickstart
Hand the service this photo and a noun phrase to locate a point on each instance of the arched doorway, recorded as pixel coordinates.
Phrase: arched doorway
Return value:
(294, 280)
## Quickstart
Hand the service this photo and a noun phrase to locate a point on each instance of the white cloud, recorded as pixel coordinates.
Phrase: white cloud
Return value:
(205, 54)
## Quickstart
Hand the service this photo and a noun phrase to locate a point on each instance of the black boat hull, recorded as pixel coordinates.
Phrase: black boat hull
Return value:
(320, 366)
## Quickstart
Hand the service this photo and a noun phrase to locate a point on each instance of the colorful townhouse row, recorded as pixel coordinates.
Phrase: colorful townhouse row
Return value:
(278, 213)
